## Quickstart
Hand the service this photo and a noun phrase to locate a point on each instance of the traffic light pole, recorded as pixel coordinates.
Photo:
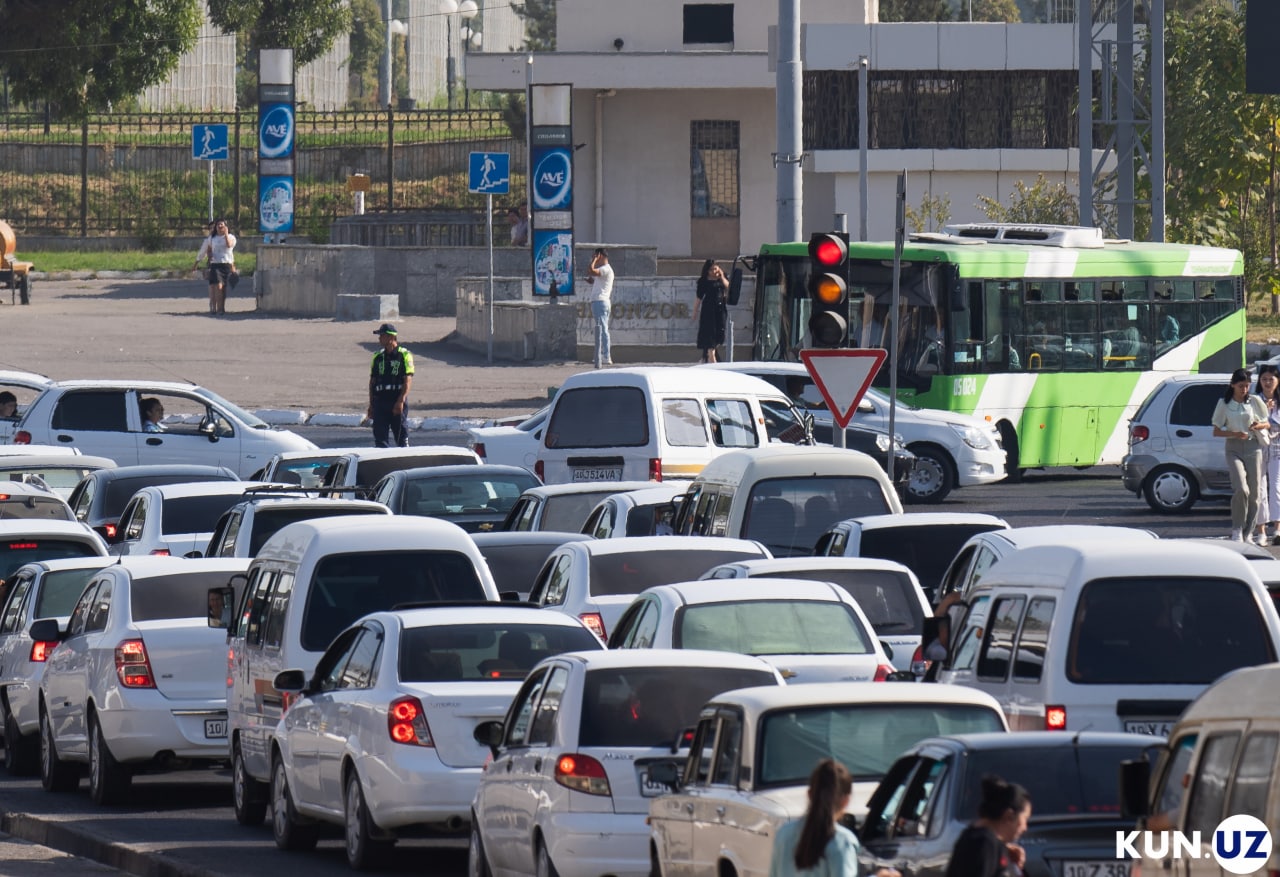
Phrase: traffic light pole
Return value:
(790, 148)
(899, 232)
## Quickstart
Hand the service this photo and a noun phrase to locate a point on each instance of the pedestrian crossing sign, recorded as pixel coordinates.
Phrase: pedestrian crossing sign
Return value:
(490, 173)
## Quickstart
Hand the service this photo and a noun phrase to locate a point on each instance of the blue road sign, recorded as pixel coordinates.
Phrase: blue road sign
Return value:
(210, 143)
(490, 173)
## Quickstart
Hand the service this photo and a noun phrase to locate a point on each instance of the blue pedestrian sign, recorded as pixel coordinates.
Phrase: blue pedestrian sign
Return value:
(490, 173)
(210, 143)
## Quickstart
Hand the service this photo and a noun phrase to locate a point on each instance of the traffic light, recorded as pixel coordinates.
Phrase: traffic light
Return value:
(829, 289)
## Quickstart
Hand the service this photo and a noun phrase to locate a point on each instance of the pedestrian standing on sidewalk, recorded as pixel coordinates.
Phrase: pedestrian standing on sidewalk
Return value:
(389, 380)
(601, 276)
(219, 251)
(710, 309)
(1242, 420)
(1268, 390)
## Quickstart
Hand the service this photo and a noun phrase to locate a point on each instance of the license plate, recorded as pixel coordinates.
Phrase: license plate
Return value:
(215, 728)
(1118, 868)
(649, 788)
(597, 473)
(1157, 727)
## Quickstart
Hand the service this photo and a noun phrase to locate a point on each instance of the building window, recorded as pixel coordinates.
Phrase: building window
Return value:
(708, 23)
(713, 168)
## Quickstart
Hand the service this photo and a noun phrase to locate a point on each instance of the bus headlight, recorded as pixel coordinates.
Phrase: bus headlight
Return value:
(972, 436)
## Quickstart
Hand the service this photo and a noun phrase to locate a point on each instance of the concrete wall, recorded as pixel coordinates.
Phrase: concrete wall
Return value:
(523, 329)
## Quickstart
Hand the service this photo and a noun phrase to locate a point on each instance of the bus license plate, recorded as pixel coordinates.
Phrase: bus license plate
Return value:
(597, 473)
(215, 728)
(1118, 868)
(1156, 727)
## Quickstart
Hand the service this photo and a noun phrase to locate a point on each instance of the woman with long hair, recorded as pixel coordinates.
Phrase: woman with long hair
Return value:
(710, 310)
(1268, 390)
(989, 846)
(817, 844)
(1242, 420)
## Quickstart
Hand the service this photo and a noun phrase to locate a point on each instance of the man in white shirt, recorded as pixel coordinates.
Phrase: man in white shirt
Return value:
(601, 277)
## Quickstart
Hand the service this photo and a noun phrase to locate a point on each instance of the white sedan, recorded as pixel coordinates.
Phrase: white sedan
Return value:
(380, 738)
(811, 631)
(512, 445)
(567, 791)
(138, 679)
(174, 519)
(753, 750)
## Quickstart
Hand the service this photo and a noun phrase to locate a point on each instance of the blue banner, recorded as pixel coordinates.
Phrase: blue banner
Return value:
(552, 261)
(275, 204)
(552, 178)
(275, 130)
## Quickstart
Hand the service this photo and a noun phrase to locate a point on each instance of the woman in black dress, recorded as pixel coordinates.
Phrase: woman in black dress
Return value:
(710, 309)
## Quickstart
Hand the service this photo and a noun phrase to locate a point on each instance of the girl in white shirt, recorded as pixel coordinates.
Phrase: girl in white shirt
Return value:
(1242, 420)
(219, 249)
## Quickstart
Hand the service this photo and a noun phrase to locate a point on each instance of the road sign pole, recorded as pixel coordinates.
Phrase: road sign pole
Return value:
(898, 235)
(211, 191)
(489, 235)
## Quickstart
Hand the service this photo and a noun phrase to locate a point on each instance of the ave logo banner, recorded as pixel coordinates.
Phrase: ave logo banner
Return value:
(552, 178)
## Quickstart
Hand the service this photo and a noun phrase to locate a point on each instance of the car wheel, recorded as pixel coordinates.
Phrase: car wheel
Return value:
(477, 864)
(364, 851)
(1012, 460)
(290, 831)
(21, 751)
(544, 867)
(655, 867)
(1170, 489)
(109, 780)
(56, 775)
(249, 795)
(933, 476)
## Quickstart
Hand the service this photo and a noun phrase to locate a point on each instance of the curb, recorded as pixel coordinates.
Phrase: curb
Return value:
(295, 417)
(68, 838)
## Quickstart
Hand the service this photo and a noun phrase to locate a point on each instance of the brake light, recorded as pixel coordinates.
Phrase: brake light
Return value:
(1055, 718)
(40, 650)
(538, 470)
(23, 546)
(478, 447)
(594, 623)
(919, 666)
(133, 666)
(111, 530)
(160, 552)
(22, 437)
(882, 673)
(407, 723)
(582, 773)
(1139, 433)
(655, 468)
(231, 660)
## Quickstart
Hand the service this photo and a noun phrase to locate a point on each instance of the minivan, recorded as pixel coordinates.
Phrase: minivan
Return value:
(657, 423)
(784, 497)
(309, 582)
(1111, 636)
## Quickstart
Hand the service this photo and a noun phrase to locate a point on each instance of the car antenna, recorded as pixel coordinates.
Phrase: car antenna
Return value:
(172, 372)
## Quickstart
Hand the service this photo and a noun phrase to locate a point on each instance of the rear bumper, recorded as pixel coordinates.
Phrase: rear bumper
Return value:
(24, 702)
(413, 787)
(140, 725)
(592, 844)
(1134, 469)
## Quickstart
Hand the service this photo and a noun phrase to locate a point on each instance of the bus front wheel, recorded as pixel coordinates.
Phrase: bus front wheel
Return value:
(1009, 441)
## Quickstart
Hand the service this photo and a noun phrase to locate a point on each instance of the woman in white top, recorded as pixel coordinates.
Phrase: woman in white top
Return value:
(219, 249)
(1242, 420)
(1268, 390)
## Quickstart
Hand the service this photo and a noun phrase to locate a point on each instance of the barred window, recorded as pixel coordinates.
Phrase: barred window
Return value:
(713, 168)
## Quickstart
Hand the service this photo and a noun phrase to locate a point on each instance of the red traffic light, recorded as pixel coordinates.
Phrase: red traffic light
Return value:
(828, 250)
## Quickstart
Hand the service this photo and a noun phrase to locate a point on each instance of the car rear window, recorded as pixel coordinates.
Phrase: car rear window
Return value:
(1061, 780)
(887, 598)
(120, 490)
(514, 567)
(489, 652)
(266, 522)
(60, 590)
(630, 572)
(567, 513)
(370, 472)
(789, 514)
(599, 417)
(772, 627)
(649, 706)
(306, 471)
(1154, 631)
(181, 595)
(194, 514)
(14, 552)
(925, 550)
(347, 586)
(60, 479)
(462, 495)
(866, 738)
(27, 507)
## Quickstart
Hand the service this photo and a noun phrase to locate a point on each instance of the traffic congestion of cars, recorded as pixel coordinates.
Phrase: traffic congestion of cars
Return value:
(615, 639)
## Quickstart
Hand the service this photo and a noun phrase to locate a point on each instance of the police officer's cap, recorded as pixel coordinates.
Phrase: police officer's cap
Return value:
(385, 329)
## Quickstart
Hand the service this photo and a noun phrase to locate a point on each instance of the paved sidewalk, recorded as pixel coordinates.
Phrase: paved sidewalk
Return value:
(160, 330)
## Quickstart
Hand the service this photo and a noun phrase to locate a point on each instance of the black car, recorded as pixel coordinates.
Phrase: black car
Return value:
(930, 795)
(874, 442)
(476, 498)
(515, 556)
(101, 496)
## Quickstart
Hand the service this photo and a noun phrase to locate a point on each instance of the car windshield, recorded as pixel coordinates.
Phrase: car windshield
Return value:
(925, 550)
(567, 512)
(772, 627)
(194, 514)
(789, 514)
(886, 597)
(488, 652)
(26, 507)
(478, 494)
(186, 595)
(630, 572)
(60, 590)
(1061, 780)
(650, 706)
(250, 420)
(16, 551)
(865, 738)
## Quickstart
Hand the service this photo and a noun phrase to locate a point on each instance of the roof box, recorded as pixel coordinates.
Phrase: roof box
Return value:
(1082, 237)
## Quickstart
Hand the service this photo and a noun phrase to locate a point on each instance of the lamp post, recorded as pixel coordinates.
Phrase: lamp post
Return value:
(468, 10)
(472, 38)
(393, 27)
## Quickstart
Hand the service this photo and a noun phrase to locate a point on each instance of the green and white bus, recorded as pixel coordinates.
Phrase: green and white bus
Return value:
(1052, 333)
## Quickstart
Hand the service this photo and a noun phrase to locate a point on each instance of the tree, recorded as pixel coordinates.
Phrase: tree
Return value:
(539, 17)
(949, 10)
(1041, 202)
(933, 214)
(368, 40)
(88, 54)
(309, 27)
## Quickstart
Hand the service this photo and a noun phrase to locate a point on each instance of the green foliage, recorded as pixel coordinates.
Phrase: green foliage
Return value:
(513, 113)
(932, 215)
(309, 27)
(84, 55)
(949, 10)
(368, 39)
(539, 17)
(1041, 202)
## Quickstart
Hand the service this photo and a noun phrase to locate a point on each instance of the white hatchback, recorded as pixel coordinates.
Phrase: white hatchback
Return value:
(380, 737)
(567, 791)
(175, 519)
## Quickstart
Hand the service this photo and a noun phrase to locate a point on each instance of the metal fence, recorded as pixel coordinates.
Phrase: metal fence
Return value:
(133, 173)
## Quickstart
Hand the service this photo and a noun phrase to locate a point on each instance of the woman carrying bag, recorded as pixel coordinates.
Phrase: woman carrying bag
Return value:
(219, 251)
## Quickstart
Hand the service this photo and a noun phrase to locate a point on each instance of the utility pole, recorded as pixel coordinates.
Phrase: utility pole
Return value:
(790, 149)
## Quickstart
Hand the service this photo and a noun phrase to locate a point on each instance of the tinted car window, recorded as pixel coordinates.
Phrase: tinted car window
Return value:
(477, 652)
(370, 472)
(568, 512)
(347, 586)
(630, 572)
(92, 410)
(60, 590)
(649, 706)
(1194, 405)
(887, 598)
(1063, 780)
(789, 514)
(27, 507)
(266, 522)
(926, 551)
(772, 627)
(194, 514)
(119, 491)
(1137, 631)
(15, 552)
(599, 417)
(513, 567)
(178, 596)
(462, 495)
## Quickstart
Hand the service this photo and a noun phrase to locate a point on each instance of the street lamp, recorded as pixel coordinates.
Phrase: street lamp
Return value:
(394, 27)
(468, 10)
(471, 39)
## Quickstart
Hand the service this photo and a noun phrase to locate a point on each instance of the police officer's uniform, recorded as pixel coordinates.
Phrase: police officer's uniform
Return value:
(387, 379)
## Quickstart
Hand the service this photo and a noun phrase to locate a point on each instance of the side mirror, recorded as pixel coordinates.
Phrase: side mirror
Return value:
(509, 596)
(290, 682)
(221, 601)
(1135, 780)
(47, 630)
(735, 287)
(490, 734)
(666, 773)
(193, 553)
(901, 676)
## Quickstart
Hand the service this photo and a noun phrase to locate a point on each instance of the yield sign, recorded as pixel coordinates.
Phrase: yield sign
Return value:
(842, 376)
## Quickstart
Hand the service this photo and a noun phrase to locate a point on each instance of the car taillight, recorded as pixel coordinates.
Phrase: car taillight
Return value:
(160, 552)
(478, 447)
(22, 437)
(1055, 718)
(40, 650)
(882, 673)
(109, 530)
(919, 666)
(582, 773)
(407, 723)
(133, 666)
(594, 623)
(231, 661)
(655, 468)
(538, 470)
(1138, 433)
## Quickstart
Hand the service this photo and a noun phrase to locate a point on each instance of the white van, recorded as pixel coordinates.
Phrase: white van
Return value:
(784, 497)
(1111, 636)
(309, 582)
(1221, 760)
(657, 423)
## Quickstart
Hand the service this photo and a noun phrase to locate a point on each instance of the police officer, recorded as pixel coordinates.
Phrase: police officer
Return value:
(389, 381)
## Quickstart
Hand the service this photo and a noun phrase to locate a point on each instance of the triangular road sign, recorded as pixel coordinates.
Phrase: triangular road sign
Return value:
(842, 376)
